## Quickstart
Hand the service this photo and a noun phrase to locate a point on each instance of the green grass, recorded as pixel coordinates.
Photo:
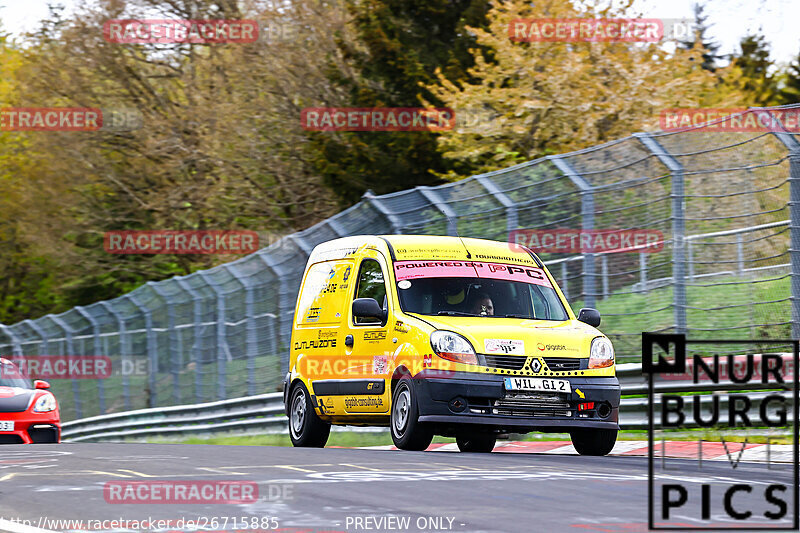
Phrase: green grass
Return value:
(625, 316)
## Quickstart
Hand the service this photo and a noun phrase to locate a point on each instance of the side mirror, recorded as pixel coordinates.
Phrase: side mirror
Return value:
(368, 308)
(589, 316)
(41, 384)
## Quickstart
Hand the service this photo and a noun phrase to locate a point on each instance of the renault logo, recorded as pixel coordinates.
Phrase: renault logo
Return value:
(536, 365)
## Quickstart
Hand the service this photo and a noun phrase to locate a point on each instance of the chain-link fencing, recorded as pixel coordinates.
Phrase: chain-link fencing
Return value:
(726, 203)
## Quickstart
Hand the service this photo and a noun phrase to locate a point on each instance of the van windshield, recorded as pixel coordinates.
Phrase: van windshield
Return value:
(471, 288)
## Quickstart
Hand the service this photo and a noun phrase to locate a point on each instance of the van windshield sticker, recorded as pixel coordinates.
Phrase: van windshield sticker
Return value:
(405, 270)
(405, 284)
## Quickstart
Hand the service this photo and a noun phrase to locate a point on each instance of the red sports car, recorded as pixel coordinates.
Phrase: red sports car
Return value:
(28, 412)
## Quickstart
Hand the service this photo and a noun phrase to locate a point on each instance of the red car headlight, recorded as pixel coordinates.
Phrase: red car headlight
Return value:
(45, 403)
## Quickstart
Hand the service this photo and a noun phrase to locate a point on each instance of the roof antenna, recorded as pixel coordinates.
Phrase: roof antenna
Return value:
(454, 224)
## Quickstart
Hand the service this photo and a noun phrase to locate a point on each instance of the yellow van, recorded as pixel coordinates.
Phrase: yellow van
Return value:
(466, 338)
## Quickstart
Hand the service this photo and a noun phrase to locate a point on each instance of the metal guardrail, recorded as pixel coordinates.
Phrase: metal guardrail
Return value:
(264, 413)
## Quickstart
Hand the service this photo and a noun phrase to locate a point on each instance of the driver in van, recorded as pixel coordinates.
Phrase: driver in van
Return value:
(482, 305)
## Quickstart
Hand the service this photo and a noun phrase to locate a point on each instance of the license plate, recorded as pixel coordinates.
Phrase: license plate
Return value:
(538, 384)
(7, 425)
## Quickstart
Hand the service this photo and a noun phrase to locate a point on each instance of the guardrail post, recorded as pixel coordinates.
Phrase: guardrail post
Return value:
(643, 271)
(251, 334)
(564, 281)
(739, 254)
(678, 227)
(198, 333)
(280, 276)
(604, 271)
(44, 343)
(223, 352)
(175, 343)
(152, 350)
(512, 217)
(336, 227)
(124, 348)
(101, 390)
(791, 143)
(16, 347)
(587, 224)
(76, 391)
(394, 221)
(433, 197)
(301, 243)
(690, 258)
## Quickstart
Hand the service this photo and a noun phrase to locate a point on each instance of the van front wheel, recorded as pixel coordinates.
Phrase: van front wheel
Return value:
(407, 432)
(306, 429)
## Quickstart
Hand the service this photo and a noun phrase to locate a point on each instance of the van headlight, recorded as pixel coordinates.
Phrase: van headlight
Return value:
(45, 404)
(453, 347)
(601, 355)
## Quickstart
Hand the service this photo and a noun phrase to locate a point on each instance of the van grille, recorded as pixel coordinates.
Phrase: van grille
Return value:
(507, 362)
(533, 404)
(566, 363)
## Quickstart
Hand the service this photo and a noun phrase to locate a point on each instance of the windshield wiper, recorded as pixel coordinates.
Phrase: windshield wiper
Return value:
(454, 313)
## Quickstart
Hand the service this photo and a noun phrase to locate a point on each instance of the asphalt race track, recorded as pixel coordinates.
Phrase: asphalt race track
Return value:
(334, 489)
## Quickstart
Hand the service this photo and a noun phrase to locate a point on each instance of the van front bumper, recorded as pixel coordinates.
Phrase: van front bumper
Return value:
(479, 399)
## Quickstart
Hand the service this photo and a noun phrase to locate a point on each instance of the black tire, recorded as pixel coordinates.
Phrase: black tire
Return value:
(476, 442)
(407, 432)
(306, 429)
(589, 441)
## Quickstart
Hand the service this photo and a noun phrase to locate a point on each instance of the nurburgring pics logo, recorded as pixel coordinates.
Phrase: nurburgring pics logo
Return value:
(181, 242)
(166, 31)
(730, 394)
(377, 119)
(731, 120)
(575, 241)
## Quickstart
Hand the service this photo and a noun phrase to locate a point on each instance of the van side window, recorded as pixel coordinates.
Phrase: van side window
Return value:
(370, 285)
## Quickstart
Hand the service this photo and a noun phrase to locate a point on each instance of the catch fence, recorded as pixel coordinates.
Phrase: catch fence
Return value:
(727, 205)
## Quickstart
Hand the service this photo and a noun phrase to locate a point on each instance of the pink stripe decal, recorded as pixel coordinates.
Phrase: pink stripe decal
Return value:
(469, 269)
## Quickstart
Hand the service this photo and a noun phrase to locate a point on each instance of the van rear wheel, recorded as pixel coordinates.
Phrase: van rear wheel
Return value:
(590, 441)
(476, 442)
(407, 432)
(306, 429)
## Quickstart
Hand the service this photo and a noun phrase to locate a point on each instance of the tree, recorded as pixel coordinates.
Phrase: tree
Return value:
(220, 145)
(401, 44)
(541, 98)
(756, 81)
(790, 90)
(702, 40)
